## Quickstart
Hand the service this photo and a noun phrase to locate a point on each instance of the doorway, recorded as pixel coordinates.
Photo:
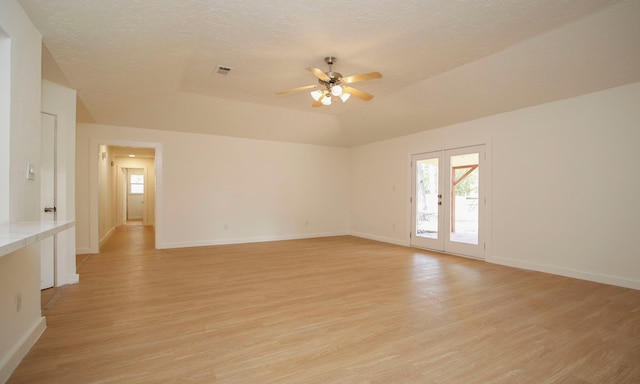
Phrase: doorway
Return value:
(133, 186)
(109, 187)
(448, 202)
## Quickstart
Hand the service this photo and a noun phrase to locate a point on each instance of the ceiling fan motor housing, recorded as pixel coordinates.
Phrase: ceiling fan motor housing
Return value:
(334, 78)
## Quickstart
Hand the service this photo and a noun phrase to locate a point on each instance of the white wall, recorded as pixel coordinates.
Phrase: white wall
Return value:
(106, 183)
(19, 330)
(25, 110)
(5, 120)
(20, 271)
(217, 190)
(564, 185)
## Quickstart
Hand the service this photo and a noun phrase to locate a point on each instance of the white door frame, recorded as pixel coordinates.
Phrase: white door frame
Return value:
(446, 246)
(61, 101)
(121, 193)
(94, 221)
(48, 192)
(438, 198)
(461, 248)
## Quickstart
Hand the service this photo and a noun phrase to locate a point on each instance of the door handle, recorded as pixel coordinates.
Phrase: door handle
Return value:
(49, 209)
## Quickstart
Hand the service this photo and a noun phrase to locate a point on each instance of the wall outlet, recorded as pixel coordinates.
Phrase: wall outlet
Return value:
(225, 227)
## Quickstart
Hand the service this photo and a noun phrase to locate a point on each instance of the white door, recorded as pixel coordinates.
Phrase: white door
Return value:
(135, 196)
(448, 203)
(427, 220)
(48, 197)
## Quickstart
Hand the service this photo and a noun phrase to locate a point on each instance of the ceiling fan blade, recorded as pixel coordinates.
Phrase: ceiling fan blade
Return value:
(317, 103)
(295, 89)
(362, 77)
(358, 93)
(319, 74)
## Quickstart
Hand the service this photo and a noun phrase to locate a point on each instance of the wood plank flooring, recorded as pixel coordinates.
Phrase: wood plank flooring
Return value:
(328, 310)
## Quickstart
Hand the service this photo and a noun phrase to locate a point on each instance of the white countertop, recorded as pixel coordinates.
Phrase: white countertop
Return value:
(14, 236)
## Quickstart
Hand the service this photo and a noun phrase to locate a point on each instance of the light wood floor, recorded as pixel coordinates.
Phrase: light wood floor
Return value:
(329, 310)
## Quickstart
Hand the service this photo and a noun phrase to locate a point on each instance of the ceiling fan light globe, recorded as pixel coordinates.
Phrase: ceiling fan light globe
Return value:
(316, 95)
(326, 100)
(344, 97)
(336, 90)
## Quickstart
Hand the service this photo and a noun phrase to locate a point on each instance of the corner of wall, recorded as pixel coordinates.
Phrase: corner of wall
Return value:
(21, 349)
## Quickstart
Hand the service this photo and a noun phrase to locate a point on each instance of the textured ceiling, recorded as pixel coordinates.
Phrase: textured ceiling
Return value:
(122, 55)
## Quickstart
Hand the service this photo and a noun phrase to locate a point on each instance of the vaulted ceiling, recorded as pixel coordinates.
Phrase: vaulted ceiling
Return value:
(152, 64)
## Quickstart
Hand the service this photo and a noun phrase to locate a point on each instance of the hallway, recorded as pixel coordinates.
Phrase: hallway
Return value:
(132, 237)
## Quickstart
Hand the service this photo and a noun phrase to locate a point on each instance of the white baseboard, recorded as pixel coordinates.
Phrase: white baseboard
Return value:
(21, 349)
(381, 239)
(106, 236)
(595, 277)
(83, 251)
(246, 240)
(598, 278)
(73, 278)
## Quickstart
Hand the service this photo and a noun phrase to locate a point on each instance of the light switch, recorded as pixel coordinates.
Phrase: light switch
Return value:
(31, 171)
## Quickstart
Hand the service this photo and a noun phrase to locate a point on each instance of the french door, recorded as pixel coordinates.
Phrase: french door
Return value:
(448, 202)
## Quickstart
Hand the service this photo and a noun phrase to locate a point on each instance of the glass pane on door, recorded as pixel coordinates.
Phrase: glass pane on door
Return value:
(427, 199)
(465, 189)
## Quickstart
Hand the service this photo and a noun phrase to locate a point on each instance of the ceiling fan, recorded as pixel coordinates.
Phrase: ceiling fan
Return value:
(332, 85)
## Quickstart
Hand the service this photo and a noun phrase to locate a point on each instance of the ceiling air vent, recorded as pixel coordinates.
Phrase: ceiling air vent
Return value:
(223, 70)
